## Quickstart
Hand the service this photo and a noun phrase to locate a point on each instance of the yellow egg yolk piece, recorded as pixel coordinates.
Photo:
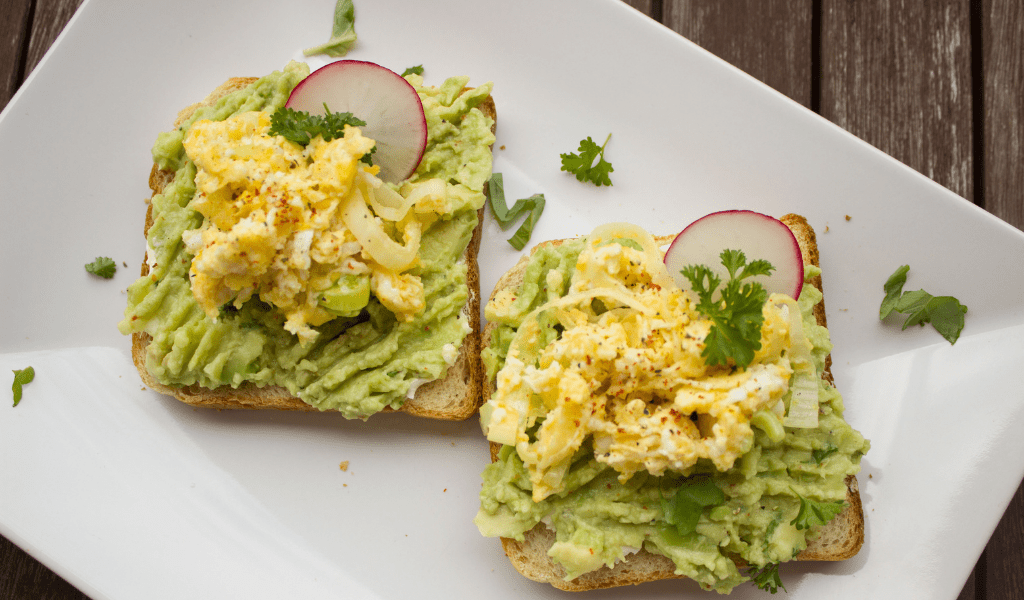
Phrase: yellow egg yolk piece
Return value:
(278, 223)
(626, 371)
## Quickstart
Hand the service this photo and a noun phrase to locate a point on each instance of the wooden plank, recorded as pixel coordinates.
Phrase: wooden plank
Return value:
(22, 578)
(1003, 61)
(50, 18)
(1002, 31)
(14, 16)
(646, 6)
(767, 39)
(897, 74)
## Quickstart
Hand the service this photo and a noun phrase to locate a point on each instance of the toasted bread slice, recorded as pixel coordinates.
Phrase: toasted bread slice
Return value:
(840, 539)
(454, 397)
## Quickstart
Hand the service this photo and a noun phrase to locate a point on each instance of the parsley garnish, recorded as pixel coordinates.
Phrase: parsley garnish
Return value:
(813, 513)
(343, 33)
(736, 315)
(582, 165)
(417, 70)
(102, 266)
(506, 216)
(21, 377)
(945, 313)
(767, 578)
(683, 509)
(301, 127)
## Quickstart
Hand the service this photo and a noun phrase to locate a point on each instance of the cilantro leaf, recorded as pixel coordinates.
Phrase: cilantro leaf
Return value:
(417, 70)
(813, 513)
(21, 377)
(582, 165)
(945, 313)
(343, 33)
(102, 266)
(736, 315)
(683, 509)
(767, 578)
(822, 453)
(534, 205)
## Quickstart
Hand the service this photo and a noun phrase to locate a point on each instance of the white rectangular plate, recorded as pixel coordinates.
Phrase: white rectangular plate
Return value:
(129, 494)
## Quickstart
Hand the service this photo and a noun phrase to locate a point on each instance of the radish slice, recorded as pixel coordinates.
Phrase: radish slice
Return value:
(758, 236)
(384, 99)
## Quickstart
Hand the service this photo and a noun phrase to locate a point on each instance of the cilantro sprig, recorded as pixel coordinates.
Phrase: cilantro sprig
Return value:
(945, 313)
(683, 509)
(736, 314)
(417, 70)
(21, 377)
(534, 205)
(103, 267)
(343, 32)
(582, 165)
(813, 513)
(766, 578)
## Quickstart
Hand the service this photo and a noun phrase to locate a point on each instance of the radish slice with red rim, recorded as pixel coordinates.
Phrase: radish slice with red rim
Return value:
(758, 236)
(382, 98)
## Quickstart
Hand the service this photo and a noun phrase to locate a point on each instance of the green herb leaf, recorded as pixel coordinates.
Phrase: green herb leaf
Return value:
(893, 288)
(683, 509)
(102, 266)
(582, 165)
(813, 513)
(736, 315)
(417, 70)
(822, 453)
(343, 34)
(767, 578)
(301, 127)
(21, 377)
(534, 205)
(945, 313)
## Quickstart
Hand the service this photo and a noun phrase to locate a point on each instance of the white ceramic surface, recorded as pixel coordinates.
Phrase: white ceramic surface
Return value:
(128, 494)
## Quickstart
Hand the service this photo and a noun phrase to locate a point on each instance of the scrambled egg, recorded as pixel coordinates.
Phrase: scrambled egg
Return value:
(285, 222)
(626, 370)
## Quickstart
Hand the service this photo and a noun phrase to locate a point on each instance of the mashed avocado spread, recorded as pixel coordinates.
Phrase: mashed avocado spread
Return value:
(359, 363)
(599, 515)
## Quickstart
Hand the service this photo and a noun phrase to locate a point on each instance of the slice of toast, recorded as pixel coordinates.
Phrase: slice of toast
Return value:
(840, 539)
(453, 398)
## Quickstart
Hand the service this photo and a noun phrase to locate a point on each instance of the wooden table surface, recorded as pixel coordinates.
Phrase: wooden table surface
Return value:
(937, 84)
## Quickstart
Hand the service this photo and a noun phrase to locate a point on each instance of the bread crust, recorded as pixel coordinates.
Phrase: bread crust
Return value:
(454, 397)
(840, 539)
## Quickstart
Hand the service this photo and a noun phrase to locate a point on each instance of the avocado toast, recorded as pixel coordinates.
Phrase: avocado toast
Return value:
(358, 364)
(594, 529)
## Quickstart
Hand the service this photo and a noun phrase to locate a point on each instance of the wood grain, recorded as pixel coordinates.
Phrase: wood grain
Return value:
(49, 20)
(14, 22)
(897, 74)
(1002, 30)
(767, 39)
(1003, 52)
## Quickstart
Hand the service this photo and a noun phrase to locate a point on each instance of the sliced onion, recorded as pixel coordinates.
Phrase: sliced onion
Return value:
(375, 242)
(386, 202)
(803, 403)
(434, 189)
